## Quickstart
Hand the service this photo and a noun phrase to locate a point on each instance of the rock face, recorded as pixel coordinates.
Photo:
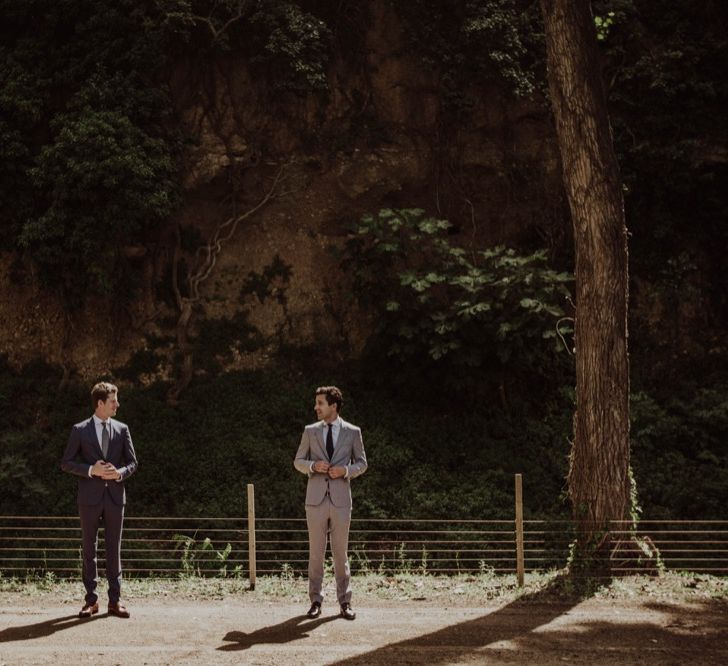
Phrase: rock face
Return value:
(377, 139)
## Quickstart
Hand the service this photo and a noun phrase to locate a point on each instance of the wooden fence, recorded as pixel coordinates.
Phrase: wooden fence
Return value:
(247, 546)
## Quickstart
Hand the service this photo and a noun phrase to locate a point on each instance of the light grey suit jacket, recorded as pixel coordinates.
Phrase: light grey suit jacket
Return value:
(349, 453)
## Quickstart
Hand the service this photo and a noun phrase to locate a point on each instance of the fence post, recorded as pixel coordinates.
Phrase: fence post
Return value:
(519, 530)
(251, 534)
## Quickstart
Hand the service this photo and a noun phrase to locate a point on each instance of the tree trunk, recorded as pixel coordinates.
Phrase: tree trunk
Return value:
(599, 470)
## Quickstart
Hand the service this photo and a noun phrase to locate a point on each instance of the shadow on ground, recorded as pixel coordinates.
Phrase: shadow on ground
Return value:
(46, 628)
(285, 632)
(654, 633)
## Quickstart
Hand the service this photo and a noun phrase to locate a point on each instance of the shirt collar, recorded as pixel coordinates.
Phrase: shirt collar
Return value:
(98, 421)
(336, 423)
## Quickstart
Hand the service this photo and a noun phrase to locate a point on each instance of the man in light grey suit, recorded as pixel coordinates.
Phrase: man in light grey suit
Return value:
(101, 455)
(331, 454)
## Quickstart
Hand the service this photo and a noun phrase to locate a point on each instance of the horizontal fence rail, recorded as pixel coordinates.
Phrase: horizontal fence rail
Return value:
(210, 546)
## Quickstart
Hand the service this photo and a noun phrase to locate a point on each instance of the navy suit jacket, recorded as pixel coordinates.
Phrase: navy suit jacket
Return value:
(84, 449)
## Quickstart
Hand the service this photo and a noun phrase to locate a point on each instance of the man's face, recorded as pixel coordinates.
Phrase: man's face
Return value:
(324, 410)
(105, 410)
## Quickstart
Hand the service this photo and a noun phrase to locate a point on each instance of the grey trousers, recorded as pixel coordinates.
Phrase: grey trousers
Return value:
(332, 521)
(110, 516)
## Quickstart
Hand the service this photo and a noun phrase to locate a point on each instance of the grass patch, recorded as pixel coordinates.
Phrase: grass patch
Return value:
(461, 590)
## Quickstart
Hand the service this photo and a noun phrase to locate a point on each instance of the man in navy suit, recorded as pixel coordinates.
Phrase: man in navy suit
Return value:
(331, 454)
(101, 454)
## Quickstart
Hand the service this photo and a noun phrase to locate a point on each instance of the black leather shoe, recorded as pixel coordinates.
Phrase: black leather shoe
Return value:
(347, 613)
(315, 609)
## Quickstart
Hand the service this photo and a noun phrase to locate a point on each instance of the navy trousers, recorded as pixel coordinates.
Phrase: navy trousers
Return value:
(110, 516)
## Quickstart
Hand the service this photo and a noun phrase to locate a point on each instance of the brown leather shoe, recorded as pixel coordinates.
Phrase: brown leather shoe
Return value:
(88, 610)
(118, 610)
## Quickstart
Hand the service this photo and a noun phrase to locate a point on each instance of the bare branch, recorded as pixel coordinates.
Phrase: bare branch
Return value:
(207, 255)
(175, 267)
(207, 20)
(225, 231)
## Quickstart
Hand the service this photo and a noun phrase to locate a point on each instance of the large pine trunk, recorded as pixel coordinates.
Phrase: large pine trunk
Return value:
(599, 485)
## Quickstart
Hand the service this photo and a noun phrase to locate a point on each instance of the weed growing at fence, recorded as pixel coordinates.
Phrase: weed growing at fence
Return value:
(403, 562)
(423, 561)
(197, 557)
(360, 561)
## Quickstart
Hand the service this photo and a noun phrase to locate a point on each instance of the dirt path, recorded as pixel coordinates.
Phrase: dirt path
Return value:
(267, 632)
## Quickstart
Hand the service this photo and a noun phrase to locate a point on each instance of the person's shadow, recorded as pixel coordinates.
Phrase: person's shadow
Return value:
(285, 632)
(46, 628)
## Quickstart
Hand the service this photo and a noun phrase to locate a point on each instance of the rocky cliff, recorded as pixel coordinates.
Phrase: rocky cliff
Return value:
(379, 137)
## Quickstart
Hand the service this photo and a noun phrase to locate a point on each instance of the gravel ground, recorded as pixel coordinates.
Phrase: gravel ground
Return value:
(401, 620)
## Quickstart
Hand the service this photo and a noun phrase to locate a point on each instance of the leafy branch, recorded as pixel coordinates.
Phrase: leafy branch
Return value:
(475, 308)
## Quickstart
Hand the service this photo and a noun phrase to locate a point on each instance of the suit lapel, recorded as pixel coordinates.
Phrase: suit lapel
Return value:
(320, 437)
(341, 442)
(113, 431)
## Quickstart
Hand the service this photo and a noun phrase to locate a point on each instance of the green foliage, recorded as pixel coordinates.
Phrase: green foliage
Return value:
(88, 157)
(15, 474)
(87, 168)
(294, 46)
(665, 71)
(92, 167)
(239, 428)
(432, 453)
(105, 182)
(431, 297)
(679, 454)
(474, 41)
(218, 339)
(288, 45)
(603, 24)
(198, 557)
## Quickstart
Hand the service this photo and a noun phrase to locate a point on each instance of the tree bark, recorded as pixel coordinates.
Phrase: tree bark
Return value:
(599, 486)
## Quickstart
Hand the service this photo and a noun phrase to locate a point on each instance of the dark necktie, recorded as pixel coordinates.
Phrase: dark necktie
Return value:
(330, 443)
(104, 439)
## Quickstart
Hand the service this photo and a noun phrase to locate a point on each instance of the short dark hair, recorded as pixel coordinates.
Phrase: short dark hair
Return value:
(102, 391)
(332, 394)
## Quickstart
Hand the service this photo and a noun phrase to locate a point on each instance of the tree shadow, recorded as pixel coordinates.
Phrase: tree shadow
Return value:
(285, 632)
(629, 639)
(658, 634)
(456, 641)
(45, 628)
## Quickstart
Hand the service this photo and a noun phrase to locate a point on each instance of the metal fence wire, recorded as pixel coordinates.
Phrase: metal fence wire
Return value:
(167, 546)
